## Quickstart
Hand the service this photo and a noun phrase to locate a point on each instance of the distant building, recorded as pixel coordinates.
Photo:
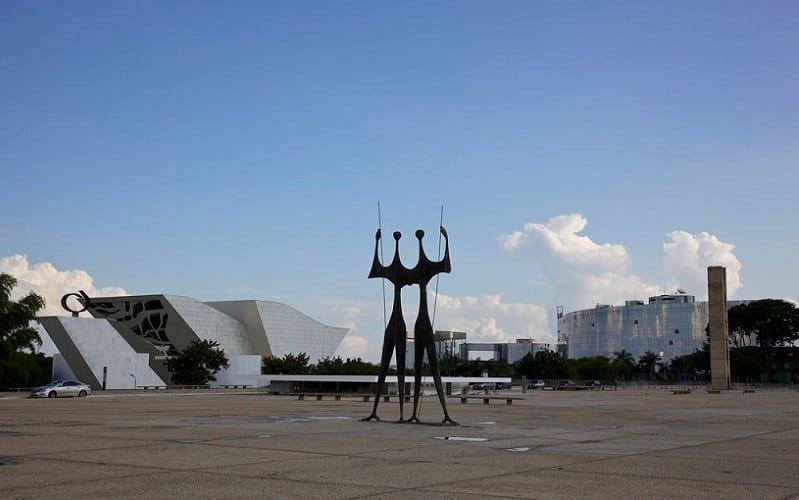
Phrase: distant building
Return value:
(128, 340)
(504, 352)
(669, 325)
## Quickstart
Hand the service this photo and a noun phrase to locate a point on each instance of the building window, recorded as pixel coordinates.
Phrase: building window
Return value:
(676, 330)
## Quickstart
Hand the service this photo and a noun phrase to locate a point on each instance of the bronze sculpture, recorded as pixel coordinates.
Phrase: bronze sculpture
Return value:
(394, 338)
(424, 342)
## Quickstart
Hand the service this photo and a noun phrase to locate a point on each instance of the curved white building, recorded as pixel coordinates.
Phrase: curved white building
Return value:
(669, 325)
(128, 339)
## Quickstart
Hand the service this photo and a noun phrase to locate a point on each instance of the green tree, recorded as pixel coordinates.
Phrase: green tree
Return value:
(691, 365)
(624, 362)
(338, 366)
(16, 331)
(198, 363)
(357, 366)
(748, 364)
(290, 364)
(772, 322)
(545, 365)
(647, 363)
(596, 367)
(22, 369)
(17, 367)
(329, 366)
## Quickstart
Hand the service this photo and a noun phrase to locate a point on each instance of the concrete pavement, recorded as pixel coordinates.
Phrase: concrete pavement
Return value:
(551, 444)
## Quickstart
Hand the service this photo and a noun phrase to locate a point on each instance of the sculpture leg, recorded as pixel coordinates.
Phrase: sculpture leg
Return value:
(401, 376)
(388, 347)
(418, 358)
(431, 357)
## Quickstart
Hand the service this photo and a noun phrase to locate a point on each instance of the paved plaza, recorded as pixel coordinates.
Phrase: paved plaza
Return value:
(630, 443)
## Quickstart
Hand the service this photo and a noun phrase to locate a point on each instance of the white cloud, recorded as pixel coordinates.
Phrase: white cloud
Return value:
(583, 272)
(353, 346)
(47, 281)
(687, 257)
(51, 283)
(489, 319)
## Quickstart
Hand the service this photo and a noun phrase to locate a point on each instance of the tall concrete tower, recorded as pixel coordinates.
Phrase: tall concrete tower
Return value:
(719, 331)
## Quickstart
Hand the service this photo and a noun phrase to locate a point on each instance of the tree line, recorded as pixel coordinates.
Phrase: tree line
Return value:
(762, 336)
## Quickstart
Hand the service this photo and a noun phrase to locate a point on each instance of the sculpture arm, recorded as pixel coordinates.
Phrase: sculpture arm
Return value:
(445, 264)
(378, 270)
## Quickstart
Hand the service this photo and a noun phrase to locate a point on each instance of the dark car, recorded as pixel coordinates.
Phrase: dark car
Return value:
(479, 386)
(563, 384)
(504, 386)
(593, 383)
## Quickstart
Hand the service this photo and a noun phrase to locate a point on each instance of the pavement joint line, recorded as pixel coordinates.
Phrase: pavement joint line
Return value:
(276, 476)
(162, 469)
(428, 489)
(672, 478)
(96, 480)
(360, 454)
(94, 462)
(45, 454)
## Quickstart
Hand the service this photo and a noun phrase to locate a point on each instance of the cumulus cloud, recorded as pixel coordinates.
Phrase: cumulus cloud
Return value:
(364, 321)
(687, 257)
(353, 346)
(51, 283)
(489, 319)
(584, 272)
(560, 236)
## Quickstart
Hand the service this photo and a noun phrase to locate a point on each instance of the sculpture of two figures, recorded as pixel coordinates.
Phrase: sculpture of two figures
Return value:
(394, 339)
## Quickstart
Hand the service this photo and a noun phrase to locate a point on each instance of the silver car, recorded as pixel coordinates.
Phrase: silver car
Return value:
(62, 389)
(536, 384)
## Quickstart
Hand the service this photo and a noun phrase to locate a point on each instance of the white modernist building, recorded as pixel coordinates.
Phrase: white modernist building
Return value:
(128, 339)
(669, 325)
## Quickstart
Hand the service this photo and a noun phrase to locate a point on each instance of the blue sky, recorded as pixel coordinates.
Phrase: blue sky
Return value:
(238, 150)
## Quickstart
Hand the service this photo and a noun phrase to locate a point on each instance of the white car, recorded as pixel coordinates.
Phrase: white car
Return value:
(536, 384)
(62, 389)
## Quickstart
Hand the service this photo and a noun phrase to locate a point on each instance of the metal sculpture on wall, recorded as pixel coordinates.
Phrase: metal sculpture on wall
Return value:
(394, 338)
(81, 295)
(146, 318)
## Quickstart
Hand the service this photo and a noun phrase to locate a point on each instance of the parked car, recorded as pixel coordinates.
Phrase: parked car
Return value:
(536, 384)
(479, 386)
(593, 383)
(504, 386)
(61, 389)
(565, 383)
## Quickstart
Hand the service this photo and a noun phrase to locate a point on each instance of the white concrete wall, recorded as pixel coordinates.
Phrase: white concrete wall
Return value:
(100, 345)
(243, 370)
